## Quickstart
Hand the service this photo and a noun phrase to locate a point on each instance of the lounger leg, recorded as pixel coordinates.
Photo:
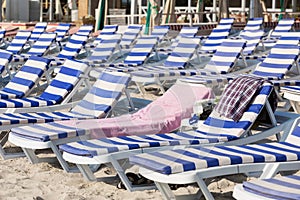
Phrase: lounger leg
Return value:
(165, 190)
(203, 187)
(3, 153)
(121, 173)
(87, 172)
(62, 161)
(269, 170)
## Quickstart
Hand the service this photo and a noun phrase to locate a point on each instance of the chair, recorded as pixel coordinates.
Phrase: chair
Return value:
(221, 62)
(214, 130)
(280, 60)
(161, 33)
(62, 32)
(104, 51)
(139, 54)
(253, 24)
(16, 46)
(70, 51)
(215, 38)
(5, 59)
(3, 42)
(61, 89)
(162, 115)
(285, 187)
(283, 26)
(106, 32)
(130, 35)
(85, 30)
(97, 103)
(28, 76)
(190, 165)
(38, 29)
(40, 48)
(185, 31)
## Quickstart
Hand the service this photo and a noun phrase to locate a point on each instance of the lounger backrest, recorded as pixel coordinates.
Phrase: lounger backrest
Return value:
(182, 53)
(188, 31)
(253, 38)
(283, 26)
(19, 41)
(160, 32)
(39, 28)
(281, 57)
(218, 126)
(42, 45)
(106, 32)
(85, 30)
(65, 80)
(61, 31)
(104, 94)
(5, 58)
(2, 34)
(130, 35)
(217, 35)
(104, 50)
(73, 46)
(226, 56)
(141, 50)
(27, 76)
(253, 24)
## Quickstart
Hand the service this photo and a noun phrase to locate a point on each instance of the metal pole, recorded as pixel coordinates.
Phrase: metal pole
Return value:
(132, 11)
(51, 11)
(41, 10)
(294, 5)
(251, 8)
(243, 8)
(214, 16)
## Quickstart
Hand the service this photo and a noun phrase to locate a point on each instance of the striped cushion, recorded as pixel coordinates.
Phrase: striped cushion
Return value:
(130, 35)
(39, 48)
(253, 38)
(183, 160)
(71, 49)
(253, 24)
(104, 50)
(106, 90)
(160, 32)
(85, 30)
(26, 78)
(284, 25)
(60, 86)
(61, 31)
(103, 95)
(39, 28)
(284, 187)
(19, 41)
(106, 33)
(138, 55)
(5, 58)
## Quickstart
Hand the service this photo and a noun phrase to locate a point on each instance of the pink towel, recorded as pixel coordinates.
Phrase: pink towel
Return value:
(161, 116)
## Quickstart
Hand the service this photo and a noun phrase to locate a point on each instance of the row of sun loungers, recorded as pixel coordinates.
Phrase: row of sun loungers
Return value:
(85, 134)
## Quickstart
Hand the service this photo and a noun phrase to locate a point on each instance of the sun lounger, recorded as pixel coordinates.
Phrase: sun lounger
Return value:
(26, 78)
(214, 130)
(164, 114)
(16, 46)
(38, 29)
(61, 89)
(284, 187)
(194, 165)
(280, 60)
(129, 37)
(106, 33)
(97, 103)
(39, 48)
(223, 61)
